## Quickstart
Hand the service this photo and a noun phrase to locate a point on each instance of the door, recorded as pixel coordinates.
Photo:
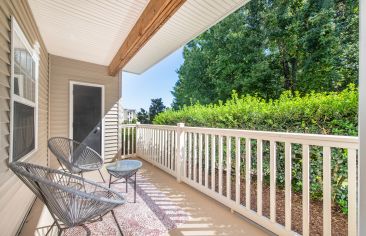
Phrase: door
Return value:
(87, 115)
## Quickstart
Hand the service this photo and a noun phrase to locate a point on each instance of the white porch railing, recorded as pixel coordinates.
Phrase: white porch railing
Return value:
(212, 161)
(128, 138)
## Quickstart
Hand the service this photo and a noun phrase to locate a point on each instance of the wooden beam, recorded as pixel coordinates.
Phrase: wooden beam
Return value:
(156, 13)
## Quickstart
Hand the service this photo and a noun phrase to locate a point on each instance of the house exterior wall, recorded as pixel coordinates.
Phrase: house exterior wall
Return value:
(15, 197)
(64, 70)
(128, 115)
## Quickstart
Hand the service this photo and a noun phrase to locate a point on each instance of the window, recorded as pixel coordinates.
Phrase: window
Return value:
(24, 95)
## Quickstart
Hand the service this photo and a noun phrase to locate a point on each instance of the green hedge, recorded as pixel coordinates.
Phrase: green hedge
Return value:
(321, 113)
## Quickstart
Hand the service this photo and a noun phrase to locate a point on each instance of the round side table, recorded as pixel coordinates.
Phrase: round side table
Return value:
(124, 169)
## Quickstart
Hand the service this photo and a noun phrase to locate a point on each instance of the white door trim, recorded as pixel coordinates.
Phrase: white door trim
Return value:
(71, 109)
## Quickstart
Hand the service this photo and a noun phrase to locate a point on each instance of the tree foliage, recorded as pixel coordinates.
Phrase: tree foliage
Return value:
(270, 46)
(157, 106)
(143, 116)
(320, 113)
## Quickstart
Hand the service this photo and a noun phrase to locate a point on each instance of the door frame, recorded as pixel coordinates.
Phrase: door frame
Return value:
(71, 109)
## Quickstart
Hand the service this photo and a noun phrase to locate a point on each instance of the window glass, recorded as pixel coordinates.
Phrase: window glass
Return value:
(24, 104)
(23, 129)
(24, 68)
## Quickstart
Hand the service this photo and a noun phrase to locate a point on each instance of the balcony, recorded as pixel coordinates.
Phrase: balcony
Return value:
(225, 188)
(241, 169)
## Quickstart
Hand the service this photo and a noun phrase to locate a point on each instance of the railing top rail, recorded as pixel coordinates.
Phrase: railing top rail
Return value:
(128, 125)
(164, 127)
(311, 139)
(301, 138)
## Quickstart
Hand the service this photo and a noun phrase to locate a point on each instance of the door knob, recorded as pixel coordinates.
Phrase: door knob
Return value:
(96, 130)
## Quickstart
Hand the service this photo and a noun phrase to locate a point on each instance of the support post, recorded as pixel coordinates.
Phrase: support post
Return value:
(362, 122)
(179, 154)
(120, 118)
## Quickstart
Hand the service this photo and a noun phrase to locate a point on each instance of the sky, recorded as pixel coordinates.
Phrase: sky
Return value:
(157, 82)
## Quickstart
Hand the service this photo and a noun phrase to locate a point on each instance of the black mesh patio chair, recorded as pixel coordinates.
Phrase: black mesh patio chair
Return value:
(75, 157)
(71, 200)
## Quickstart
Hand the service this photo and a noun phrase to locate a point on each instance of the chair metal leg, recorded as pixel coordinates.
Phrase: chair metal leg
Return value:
(126, 185)
(110, 181)
(135, 189)
(53, 224)
(101, 176)
(115, 219)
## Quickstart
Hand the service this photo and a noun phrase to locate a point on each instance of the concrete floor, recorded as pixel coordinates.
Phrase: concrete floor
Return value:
(207, 216)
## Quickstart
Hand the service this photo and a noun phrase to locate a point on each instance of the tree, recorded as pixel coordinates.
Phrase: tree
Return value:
(143, 116)
(269, 46)
(155, 108)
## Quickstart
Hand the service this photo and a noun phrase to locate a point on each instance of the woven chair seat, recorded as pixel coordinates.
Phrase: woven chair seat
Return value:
(70, 199)
(75, 156)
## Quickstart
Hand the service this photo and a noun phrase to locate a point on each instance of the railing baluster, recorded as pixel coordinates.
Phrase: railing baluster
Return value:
(163, 161)
(190, 156)
(135, 141)
(195, 157)
(160, 147)
(228, 167)
(352, 192)
(133, 130)
(259, 176)
(288, 201)
(146, 143)
(128, 141)
(305, 190)
(142, 142)
(147, 149)
(200, 158)
(185, 155)
(152, 144)
(124, 141)
(156, 147)
(213, 157)
(327, 192)
(174, 149)
(248, 164)
(165, 148)
(220, 163)
(206, 159)
(273, 173)
(237, 170)
(170, 149)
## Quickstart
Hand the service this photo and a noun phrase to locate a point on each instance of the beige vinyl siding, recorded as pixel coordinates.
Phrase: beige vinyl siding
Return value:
(15, 198)
(64, 70)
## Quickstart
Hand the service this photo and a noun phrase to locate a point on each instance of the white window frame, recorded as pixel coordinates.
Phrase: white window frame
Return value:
(34, 52)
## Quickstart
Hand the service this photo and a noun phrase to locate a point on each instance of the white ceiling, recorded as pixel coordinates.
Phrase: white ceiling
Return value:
(86, 30)
(93, 30)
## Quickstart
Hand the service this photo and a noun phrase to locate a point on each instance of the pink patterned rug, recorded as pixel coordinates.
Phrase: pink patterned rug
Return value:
(153, 214)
